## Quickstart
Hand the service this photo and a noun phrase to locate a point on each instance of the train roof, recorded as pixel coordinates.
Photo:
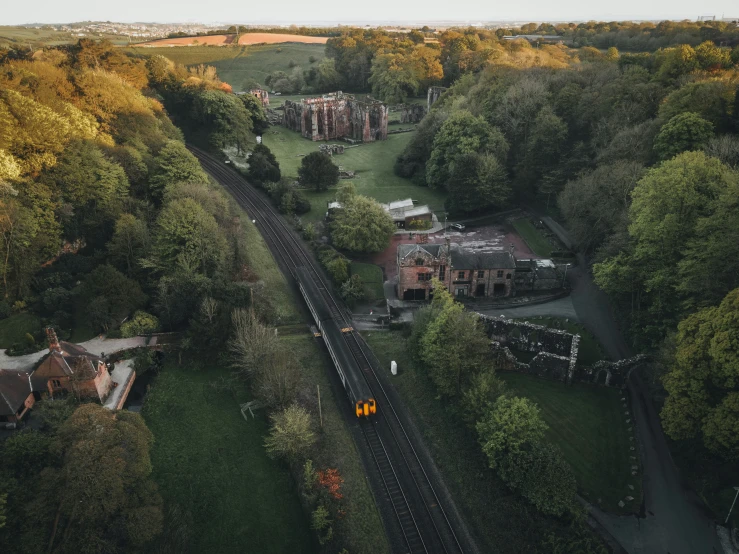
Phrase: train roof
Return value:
(314, 296)
(353, 373)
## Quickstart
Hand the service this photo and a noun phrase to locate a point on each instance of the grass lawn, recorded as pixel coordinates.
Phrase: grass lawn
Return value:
(212, 464)
(373, 164)
(371, 276)
(587, 424)
(502, 521)
(589, 350)
(13, 329)
(236, 64)
(361, 526)
(537, 242)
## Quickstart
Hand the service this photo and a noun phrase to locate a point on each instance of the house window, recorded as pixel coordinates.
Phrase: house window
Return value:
(424, 276)
(508, 276)
(442, 272)
(481, 274)
(56, 383)
(419, 261)
(500, 274)
(460, 275)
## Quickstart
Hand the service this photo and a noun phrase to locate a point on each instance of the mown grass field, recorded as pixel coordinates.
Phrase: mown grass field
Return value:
(537, 242)
(373, 164)
(237, 64)
(587, 423)
(502, 521)
(13, 329)
(212, 464)
(371, 276)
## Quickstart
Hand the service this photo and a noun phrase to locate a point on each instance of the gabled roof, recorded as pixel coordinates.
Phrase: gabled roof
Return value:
(63, 363)
(463, 258)
(433, 250)
(15, 386)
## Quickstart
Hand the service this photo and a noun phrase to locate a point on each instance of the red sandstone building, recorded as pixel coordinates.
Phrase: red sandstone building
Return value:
(465, 273)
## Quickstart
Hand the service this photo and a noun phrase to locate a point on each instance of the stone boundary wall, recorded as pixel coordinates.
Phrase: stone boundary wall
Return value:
(556, 354)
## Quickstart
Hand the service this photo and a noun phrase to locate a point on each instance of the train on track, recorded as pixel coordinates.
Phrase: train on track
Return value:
(332, 330)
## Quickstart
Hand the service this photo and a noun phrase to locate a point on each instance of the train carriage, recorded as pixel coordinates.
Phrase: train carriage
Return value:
(349, 372)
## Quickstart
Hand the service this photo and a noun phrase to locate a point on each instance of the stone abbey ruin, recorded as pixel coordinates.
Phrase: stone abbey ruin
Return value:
(337, 116)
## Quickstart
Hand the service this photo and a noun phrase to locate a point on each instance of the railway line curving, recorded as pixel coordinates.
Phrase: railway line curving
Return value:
(418, 509)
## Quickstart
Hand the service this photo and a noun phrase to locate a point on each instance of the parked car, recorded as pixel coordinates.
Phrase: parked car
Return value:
(457, 226)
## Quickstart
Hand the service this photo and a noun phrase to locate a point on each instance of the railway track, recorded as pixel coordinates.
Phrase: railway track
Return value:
(419, 513)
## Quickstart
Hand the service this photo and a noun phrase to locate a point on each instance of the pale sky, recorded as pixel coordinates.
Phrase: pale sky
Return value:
(348, 11)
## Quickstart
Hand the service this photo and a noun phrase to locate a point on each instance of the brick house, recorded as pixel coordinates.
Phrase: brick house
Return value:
(16, 396)
(464, 272)
(71, 368)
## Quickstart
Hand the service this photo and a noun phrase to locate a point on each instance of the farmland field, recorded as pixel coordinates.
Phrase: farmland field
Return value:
(30, 36)
(236, 64)
(246, 38)
(372, 164)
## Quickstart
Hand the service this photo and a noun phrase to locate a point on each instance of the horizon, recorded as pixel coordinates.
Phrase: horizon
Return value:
(384, 12)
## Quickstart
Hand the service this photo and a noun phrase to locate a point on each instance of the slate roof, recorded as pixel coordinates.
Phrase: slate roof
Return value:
(62, 363)
(434, 250)
(472, 259)
(15, 386)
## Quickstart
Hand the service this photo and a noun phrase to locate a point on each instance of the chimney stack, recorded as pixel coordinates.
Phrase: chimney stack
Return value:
(53, 341)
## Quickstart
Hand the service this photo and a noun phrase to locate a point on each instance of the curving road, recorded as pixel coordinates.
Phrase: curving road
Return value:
(675, 521)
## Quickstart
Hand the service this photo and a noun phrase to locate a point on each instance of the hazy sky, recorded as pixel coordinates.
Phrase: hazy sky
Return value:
(306, 11)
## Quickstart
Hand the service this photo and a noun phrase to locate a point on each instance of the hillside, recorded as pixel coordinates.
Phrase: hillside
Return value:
(236, 65)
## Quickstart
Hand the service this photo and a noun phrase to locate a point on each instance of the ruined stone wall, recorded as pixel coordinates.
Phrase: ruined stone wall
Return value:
(433, 95)
(528, 336)
(262, 95)
(612, 374)
(337, 116)
(412, 113)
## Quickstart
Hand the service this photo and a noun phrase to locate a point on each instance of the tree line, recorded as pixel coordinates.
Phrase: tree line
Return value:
(639, 154)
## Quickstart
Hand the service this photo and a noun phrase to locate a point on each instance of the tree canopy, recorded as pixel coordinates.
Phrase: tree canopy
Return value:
(362, 225)
(318, 171)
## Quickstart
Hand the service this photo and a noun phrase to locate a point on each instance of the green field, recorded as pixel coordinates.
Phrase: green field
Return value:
(587, 424)
(502, 521)
(372, 162)
(236, 64)
(211, 464)
(371, 276)
(13, 329)
(536, 241)
(28, 36)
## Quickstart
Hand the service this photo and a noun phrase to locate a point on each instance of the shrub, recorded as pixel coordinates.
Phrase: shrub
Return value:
(141, 323)
(4, 309)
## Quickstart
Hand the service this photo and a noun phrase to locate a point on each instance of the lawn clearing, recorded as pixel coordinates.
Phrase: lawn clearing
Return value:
(212, 464)
(13, 329)
(371, 276)
(537, 241)
(237, 64)
(502, 521)
(587, 423)
(372, 162)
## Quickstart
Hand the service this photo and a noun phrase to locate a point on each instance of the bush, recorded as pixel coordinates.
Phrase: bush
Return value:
(352, 291)
(5, 309)
(338, 269)
(141, 323)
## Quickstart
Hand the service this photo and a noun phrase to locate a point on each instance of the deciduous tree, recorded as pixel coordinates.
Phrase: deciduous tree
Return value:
(318, 171)
(362, 225)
